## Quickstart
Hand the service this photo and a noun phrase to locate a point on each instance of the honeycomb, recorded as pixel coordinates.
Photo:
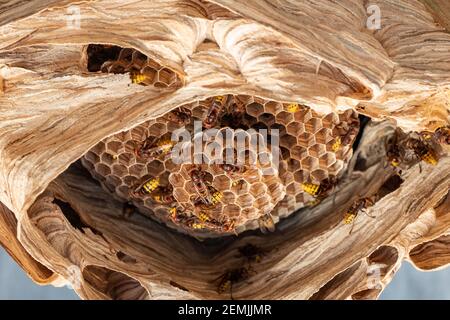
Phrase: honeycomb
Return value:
(248, 192)
(143, 70)
(209, 198)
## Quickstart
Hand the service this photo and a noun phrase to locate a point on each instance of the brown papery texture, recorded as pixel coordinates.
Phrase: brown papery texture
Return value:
(319, 54)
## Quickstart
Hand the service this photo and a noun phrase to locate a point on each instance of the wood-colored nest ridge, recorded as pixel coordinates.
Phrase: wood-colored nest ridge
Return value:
(92, 91)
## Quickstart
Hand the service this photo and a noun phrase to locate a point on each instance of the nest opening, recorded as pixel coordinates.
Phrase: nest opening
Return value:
(71, 215)
(115, 285)
(143, 70)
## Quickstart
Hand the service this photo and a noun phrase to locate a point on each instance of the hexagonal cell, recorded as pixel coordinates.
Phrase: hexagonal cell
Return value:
(181, 195)
(240, 187)
(98, 149)
(156, 167)
(132, 145)
(164, 178)
(245, 200)
(247, 157)
(157, 130)
(330, 119)
(317, 150)
(176, 180)
(319, 175)
(285, 153)
(275, 190)
(288, 141)
(130, 180)
(310, 163)
(172, 126)
(228, 197)
(232, 210)
(169, 165)
(293, 165)
(303, 116)
(313, 125)
(335, 167)
(281, 129)
(323, 136)
(244, 99)
(298, 153)
(114, 146)
(92, 157)
(262, 203)
(160, 85)
(153, 64)
(273, 107)
(260, 126)
(284, 117)
(267, 118)
(136, 169)
(250, 213)
(295, 128)
(255, 109)
(119, 170)
(151, 75)
(123, 136)
(258, 189)
(113, 180)
(139, 57)
(293, 188)
(127, 158)
(139, 133)
(327, 160)
(287, 177)
(102, 169)
(222, 182)
(108, 159)
(167, 76)
(306, 139)
(301, 176)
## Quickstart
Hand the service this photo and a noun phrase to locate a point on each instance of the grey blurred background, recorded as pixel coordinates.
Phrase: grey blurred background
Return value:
(407, 284)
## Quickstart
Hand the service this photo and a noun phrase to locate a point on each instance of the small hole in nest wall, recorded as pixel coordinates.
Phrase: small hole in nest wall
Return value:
(391, 184)
(143, 70)
(363, 121)
(74, 218)
(360, 164)
(116, 285)
(71, 215)
(176, 285)
(125, 258)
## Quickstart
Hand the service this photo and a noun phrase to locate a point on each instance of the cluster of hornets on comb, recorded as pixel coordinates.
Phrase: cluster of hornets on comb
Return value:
(406, 150)
(207, 196)
(403, 150)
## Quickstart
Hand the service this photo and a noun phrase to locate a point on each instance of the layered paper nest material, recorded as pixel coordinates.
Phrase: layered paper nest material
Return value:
(55, 110)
